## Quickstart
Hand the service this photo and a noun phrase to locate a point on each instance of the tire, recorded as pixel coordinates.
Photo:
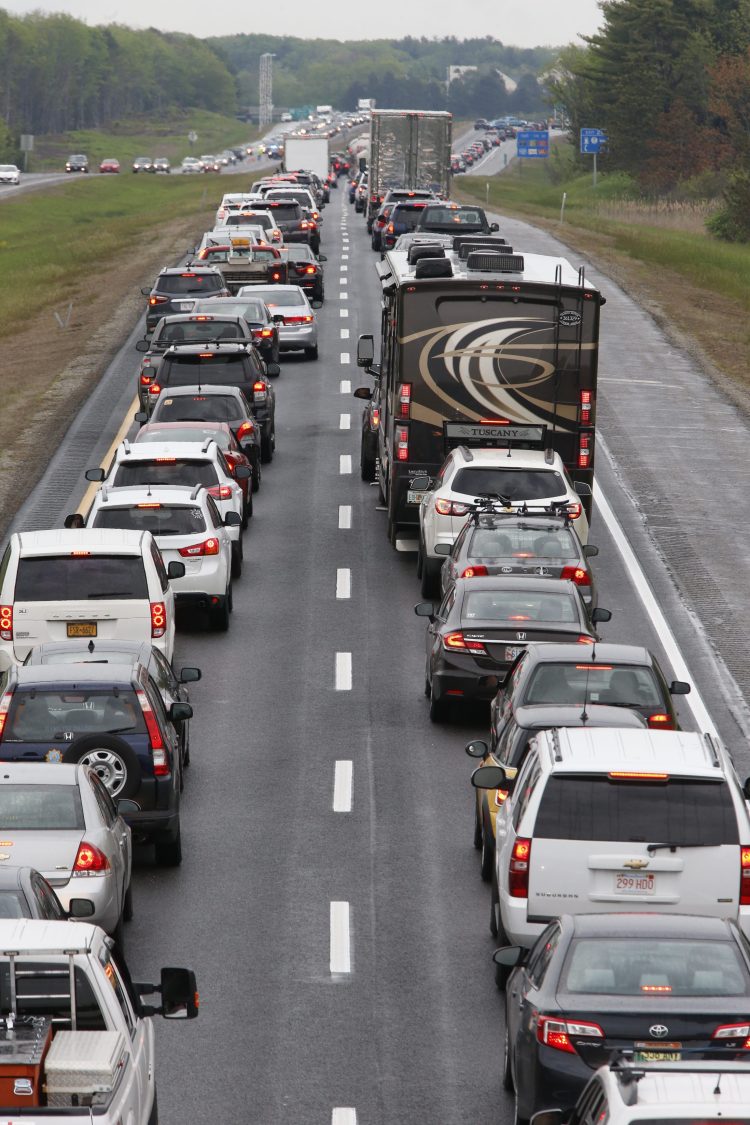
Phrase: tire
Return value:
(439, 708)
(257, 473)
(127, 905)
(246, 513)
(494, 908)
(420, 558)
(219, 617)
(477, 828)
(267, 443)
(112, 759)
(311, 353)
(153, 1117)
(366, 463)
(169, 852)
(237, 556)
(430, 577)
(487, 858)
(118, 935)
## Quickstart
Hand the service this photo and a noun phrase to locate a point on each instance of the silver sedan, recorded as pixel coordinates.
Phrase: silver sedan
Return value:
(298, 329)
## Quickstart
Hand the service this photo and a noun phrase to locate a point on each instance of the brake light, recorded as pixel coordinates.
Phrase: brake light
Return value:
(402, 443)
(475, 572)
(156, 742)
(660, 721)
(576, 574)
(297, 319)
(245, 429)
(276, 276)
(450, 507)
(158, 619)
(90, 860)
(198, 550)
(574, 511)
(744, 870)
(310, 269)
(165, 460)
(154, 389)
(457, 642)
(6, 622)
(518, 868)
(584, 451)
(390, 228)
(733, 1031)
(557, 1033)
(404, 400)
(585, 640)
(374, 417)
(4, 708)
(148, 505)
(158, 300)
(501, 795)
(586, 405)
(259, 391)
(220, 492)
(636, 775)
(145, 379)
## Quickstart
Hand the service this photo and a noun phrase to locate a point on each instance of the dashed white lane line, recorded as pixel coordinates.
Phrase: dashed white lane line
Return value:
(345, 464)
(345, 517)
(344, 257)
(341, 958)
(345, 387)
(344, 1115)
(342, 786)
(343, 671)
(345, 358)
(344, 333)
(343, 583)
(345, 421)
(343, 312)
(343, 295)
(343, 269)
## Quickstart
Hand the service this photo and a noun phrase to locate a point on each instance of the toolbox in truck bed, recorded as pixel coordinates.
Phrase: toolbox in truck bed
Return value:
(81, 1064)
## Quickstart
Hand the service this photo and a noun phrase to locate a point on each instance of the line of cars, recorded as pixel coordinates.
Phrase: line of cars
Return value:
(79, 162)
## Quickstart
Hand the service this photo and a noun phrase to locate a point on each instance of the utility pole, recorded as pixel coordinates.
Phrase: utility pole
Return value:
(265, 99)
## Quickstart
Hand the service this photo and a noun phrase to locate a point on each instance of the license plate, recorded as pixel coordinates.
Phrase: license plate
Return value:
(82, 629)
(657, 1052)
(511, 652)
(184, 306)
(626, 884)
(415, 497)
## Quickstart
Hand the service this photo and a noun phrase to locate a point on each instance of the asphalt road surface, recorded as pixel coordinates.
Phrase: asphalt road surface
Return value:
(342, 950)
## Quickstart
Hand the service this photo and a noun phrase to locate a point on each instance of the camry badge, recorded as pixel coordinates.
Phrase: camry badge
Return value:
(636, 864)
(658, 1030)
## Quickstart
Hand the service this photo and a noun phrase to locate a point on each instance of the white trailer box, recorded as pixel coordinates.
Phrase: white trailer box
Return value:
(307, 153)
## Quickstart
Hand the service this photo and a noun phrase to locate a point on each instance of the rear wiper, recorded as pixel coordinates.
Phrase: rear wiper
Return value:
(679, 844)
(113, 594)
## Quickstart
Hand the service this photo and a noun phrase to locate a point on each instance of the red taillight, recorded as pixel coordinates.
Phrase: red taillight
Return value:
(4, 708)
(6, 622)
(586, 405)
(158, 619)
(374, 417)
(90, 860)
(660, 721)
(310, 269)
(158, 300)
(450, 507)
(154, 389)
(404, 400)
(220, 492)
(744, 871)
(518, 868)
(146, 379)
(158, 749)
(210, 547)
(733, 1031)
(585, 640)
(297, 319)
(457, 642)
(574, 511)
(475, 572)
(390, 228)
(276, 276)
(402, 443)
(245, 429)
(557, 1033)
(584, 450)
(576, 574)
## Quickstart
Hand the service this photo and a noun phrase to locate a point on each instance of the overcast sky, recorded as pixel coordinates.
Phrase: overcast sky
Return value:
(525, 23)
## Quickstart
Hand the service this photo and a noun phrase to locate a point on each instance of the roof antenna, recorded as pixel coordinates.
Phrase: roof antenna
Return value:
(717, 1087)
(584, 712)
(148, 489)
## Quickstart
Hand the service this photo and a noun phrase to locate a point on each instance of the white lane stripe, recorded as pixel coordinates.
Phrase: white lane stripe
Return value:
(345, 517)
(345, 357)
(345, 421)
(341, 959)
(344, 257)
(342, 786)
(658, 620)
(345, 464)
(345, 387)
(344, 1115)
(343, 671)
(343, 312)
(344, 333)
(343, 269)
(343, 583)
(344, 295)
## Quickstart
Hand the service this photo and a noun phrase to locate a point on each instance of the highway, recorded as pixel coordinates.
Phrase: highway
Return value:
(340, 934)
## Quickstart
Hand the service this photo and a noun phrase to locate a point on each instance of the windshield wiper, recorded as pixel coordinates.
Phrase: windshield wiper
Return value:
(679, 844)
(112, 594)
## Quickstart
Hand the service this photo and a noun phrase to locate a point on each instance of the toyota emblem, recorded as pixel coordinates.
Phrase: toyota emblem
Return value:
(658, 1030)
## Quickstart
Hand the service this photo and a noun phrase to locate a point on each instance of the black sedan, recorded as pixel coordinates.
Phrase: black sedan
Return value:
(25, 893)
(667, 987)
(483, 624)
(306, 270)
(544, 546)
(264, 328)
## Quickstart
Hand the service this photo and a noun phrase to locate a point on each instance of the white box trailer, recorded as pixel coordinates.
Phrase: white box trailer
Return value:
(308, 153)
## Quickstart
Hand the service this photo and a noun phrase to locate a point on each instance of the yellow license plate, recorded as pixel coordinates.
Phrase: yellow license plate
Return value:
(82, 629)
(657, 1052)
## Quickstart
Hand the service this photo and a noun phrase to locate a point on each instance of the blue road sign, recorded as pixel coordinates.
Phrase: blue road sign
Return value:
(593, 140)
(532, 143)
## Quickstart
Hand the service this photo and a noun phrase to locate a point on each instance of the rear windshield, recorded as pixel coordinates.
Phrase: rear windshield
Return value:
(159, 519)
(518, 608)
(182, 371)
(596, 807)
(80, 578)
(250, 310)
(188, 283)
(302, 197)
(197, 332)
(285, 297)
(168, 470)
(406, 218)
(195, 408)
(638, 967)
(617, 685)
(36, 807)
(285, 212)
(186, 433)
(249, 218)
(436, 217)
(523, 543)
(54, 715)
(516, 484)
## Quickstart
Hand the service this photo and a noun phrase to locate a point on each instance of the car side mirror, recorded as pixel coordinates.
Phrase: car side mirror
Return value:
(477, 748)
(601, 615)
(189, 675)
(316, 304)
(142, 345)
(509, 956)
(679, 687)
(442, 549)
(491, 777)
(590, 551)
(273, 370)
(242, 472)
(420, 483)
(365, 350)
(141, 416)
(179, 712)
(94, 474)
(146, 291)
(179, 994)
(746, 789)
(233, 519)
(75, 519)
(176, 570)
(425, 609)
(494, 227)
(80, 908)
(582, 488)
(126, 807)
(362, 392)
(322, 258)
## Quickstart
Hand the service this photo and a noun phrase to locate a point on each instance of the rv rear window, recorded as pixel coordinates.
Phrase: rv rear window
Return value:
(81, 577)
(516, 484)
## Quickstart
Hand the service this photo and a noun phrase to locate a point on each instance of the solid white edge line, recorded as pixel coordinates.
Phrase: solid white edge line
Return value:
(641, 585)
(345, 517)
(342, 786)
(345, 421)
(341, 958)
(345, 387)
(343, 583)
(344, 1115)
(345, 464)
(343, 671)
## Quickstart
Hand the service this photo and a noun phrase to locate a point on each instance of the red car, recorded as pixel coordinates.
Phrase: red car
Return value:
(109, 165)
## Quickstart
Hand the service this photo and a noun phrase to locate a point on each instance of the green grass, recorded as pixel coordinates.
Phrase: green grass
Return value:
(153, 136)
(536, 190)
(50, 241)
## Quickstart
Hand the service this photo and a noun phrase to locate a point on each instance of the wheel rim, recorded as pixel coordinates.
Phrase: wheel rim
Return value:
(108, 767)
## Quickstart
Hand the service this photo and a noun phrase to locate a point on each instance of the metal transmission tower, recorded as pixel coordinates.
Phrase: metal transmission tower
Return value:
(265, 99)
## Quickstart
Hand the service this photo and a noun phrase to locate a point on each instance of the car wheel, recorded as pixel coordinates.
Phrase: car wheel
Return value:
(249, 504)
(276, 354)
(430, 577)
(118, 935)
(127, 904)
(439, 708)
(311, 353)
(487, 859)
(245, 513)
(257, 473)
(420, 560)
(237, 556)
(219, 617)
(266, 448)
(112, 760)
(507, 1064)
(494, 907)
(186, 750)
(169, 852)
(366, 462)
(427, 688)
(477, 828)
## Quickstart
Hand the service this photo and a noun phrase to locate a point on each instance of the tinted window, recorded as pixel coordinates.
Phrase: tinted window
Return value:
(599, 808)
(406, 218)
(182, 371)
(283, 297)
(516, 484)
(159, 519)
(517, 607)
(13, 905)
(198, 332)
(194, 408)
(623, 685)
(40, 807)
(175, 283)
(523, 543)
(166, 471)
(47, 716)
(62, 578)
(435, 217)
(191, 433)
(637, 967)
(285, 212)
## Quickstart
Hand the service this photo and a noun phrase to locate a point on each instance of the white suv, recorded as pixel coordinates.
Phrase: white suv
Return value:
(112, 585)
(188, 528)
(532, 476)
(602, 820)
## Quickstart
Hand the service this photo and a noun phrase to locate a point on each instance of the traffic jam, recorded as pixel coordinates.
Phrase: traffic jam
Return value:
(615, 845)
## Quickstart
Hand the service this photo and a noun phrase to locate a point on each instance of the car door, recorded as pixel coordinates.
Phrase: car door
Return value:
(134, 1091)
(434, 630)
(112, 836)
(523, 1000)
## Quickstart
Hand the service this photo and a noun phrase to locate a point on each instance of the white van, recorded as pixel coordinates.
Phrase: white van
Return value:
(602, 820)
(84, 582)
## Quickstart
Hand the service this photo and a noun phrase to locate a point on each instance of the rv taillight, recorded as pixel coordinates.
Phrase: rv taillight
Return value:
(404, 400)
(584, 451)
(6, 622)
(402, 443)
(158, 619)
(518, 868)
(585, 407)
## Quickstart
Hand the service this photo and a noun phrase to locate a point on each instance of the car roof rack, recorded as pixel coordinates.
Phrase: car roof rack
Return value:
(492, 504)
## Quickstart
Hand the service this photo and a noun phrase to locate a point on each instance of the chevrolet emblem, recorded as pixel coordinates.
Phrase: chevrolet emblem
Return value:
(636, 864)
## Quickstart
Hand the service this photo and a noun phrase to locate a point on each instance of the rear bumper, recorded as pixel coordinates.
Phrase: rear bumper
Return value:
(101, 890)
(458, 683)
(193, 599)
(153, 822)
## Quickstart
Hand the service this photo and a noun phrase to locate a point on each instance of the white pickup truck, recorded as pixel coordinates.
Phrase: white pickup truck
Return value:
(76, 1043)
